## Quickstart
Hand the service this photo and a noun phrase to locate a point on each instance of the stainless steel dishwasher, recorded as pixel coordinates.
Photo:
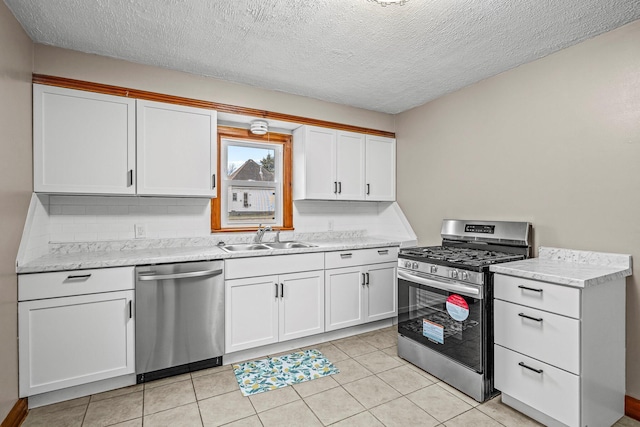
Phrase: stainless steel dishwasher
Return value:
(179, 318)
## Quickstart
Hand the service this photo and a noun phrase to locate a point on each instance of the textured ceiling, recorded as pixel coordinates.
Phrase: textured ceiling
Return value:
(352, 52)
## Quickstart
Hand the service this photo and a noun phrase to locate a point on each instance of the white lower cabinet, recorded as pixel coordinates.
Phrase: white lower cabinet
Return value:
(560, 350)
(269, 309)
(272, 299)
(360, 293)
(72, 340)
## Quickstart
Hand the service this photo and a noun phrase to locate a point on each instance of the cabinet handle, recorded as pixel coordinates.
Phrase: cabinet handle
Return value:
(368, 189)
(276, 289)
(537, 319)
(339, 187)
(130, 178)
(335, 187)
(213, 181)
(363, 279)
(530, 289)
(78, 277)
(383, 252)
(281, 290)
(367, 279)
(343, 256)
(130, 309)
(537, 371)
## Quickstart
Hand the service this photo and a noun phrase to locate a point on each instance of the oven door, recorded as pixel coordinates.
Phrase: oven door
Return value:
(444, 315)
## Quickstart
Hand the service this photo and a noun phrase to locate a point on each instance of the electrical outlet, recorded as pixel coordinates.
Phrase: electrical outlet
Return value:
(140, 231)
(330, 225)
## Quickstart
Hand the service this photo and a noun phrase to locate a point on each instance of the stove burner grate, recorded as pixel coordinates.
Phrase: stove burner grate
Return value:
(463, 256)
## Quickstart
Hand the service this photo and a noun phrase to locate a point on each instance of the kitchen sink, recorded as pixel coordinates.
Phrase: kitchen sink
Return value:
(245, 247)
(266, 246)
(289, 245)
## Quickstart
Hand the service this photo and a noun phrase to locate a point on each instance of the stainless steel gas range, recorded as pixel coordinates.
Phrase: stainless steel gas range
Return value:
(445, 301)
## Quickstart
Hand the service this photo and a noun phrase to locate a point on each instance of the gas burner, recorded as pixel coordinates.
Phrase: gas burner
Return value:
(460, 255)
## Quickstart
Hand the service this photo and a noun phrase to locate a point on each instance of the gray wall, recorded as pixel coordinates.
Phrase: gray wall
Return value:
(100, 69)
(15, 188)
(555, 142)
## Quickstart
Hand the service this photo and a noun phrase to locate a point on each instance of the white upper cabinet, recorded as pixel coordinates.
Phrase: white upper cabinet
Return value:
(176, 147)
(339, 165)
(83, 142)
(350, 165)
(89, 143)
(314, 163)
(380, 168)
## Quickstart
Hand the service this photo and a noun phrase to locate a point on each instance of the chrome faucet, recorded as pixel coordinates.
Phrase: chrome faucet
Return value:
(260, 233)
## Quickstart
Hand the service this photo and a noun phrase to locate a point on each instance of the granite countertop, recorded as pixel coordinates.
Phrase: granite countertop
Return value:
(569, 267)
(162, 251)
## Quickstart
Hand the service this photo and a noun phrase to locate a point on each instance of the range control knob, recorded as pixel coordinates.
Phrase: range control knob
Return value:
(453, 274)
(433, 269)
(465, 276)
(407, 264)
(415, 265)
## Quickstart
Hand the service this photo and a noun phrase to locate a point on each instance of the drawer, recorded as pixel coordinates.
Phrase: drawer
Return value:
(545, 296)
(360, 257)
(553, 391)
(551, 338)
(237, 268)
(78, 282)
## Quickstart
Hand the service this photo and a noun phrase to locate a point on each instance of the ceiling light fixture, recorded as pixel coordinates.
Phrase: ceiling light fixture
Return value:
(259, 127)
(388, 2)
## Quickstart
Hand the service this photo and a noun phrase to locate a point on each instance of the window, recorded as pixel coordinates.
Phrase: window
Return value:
(255, 185)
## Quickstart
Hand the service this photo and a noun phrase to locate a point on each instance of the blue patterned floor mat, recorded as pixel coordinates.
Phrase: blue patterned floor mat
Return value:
(275, 372)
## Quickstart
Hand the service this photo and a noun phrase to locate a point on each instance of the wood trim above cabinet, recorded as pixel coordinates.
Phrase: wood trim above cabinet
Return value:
(224, 108)
(16, 415)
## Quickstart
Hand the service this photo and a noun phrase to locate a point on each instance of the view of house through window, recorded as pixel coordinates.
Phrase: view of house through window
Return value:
(252, 184)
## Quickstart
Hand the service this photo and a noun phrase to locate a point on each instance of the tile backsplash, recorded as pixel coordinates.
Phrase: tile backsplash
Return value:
(91, 218)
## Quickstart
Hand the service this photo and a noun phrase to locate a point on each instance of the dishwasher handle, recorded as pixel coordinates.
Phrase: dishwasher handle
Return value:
(189, 275)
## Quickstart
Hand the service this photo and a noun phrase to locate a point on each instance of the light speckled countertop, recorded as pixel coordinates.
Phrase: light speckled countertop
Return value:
(130, 253)
(569, 267)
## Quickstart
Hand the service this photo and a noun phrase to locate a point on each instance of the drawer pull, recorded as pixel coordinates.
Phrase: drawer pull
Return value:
(537, 371)
(383, 252)
(363, 279)
(78, 277)
(367, 282)
(343, 256)
(537, 319)
(530, 289)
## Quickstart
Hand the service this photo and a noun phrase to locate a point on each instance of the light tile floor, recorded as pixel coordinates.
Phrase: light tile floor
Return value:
(374, 388)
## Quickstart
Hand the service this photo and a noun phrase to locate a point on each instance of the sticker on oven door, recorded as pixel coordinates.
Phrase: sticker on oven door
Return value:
(457, 307)
(433, 331)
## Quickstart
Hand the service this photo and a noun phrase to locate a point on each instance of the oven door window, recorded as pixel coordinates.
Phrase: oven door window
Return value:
(444, 321)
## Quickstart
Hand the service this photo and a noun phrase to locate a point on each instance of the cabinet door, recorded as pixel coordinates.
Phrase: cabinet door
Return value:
(380, 168)
(251, 312)
(344, 289)
(75, 340)
(176, 147)
(301, 304)
(381, 301)
(83, 142)
(315, 163)
(350, 171)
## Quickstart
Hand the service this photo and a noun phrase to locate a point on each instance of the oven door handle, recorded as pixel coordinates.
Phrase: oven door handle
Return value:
(445, 286)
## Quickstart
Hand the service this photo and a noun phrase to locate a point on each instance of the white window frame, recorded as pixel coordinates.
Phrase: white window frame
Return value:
(226, 182)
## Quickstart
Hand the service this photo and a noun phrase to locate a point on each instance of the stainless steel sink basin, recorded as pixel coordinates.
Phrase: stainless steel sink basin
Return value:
(266, 246)
(245, 247)
(289, 245)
